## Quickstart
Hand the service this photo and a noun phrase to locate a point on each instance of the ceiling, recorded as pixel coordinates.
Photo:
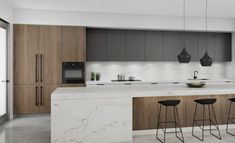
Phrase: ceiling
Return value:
(216, 8)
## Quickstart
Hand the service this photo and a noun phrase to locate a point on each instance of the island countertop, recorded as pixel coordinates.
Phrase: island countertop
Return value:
(68, 93)
(111, 114)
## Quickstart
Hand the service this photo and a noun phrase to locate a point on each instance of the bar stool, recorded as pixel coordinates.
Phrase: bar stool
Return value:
(232, 100)
(209, 103)
(176, 122)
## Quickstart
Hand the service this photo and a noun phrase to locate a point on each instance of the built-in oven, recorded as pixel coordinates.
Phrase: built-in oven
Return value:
(73, 72)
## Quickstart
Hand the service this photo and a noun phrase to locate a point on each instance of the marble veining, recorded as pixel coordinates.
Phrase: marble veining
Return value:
(100, 120)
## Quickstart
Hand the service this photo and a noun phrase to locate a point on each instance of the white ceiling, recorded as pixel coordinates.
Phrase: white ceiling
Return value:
(216, 8)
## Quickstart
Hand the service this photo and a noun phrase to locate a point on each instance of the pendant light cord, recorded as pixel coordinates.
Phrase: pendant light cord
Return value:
(184, 20)
(206, 22)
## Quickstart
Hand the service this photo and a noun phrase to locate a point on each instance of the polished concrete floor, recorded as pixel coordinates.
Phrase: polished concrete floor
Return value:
(37, 130)
(26, 130)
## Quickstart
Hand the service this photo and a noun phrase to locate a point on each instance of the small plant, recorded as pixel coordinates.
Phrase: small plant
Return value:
(92, 76)
(97, 76)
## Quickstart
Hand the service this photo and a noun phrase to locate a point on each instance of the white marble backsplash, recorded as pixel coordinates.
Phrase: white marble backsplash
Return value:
(155, 71)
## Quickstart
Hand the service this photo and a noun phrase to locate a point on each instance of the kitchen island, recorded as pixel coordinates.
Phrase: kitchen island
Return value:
(110, 114)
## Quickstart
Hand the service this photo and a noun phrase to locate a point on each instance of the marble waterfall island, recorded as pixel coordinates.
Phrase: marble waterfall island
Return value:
(89, 120)
(104, 114)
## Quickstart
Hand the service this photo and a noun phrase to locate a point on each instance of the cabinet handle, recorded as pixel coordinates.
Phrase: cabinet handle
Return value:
(41, 60)
(36, 68)
(41, 96)
(36, 94)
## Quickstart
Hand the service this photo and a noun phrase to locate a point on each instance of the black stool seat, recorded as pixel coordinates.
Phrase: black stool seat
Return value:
(232, 99)
(205, 101)
(169, 102)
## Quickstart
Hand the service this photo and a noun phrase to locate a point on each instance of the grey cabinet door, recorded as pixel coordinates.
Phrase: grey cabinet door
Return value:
(96, 45)
(172, 45)
(206, 39)
(153, 46)
(135, 45)
(222, 47)
(116, 45)
(191, 44)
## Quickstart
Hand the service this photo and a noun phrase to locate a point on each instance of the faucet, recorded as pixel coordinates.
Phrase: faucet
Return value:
(195, 75)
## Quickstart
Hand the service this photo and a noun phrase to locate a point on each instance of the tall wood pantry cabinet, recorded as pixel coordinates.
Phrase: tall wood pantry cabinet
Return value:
(38, 60)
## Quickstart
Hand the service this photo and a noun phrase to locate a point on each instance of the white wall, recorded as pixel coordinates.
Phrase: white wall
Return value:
(54, 17)
(6, 13)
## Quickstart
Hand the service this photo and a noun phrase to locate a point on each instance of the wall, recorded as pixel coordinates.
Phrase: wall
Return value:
(132, 21)
(155, 71)
(6, 13)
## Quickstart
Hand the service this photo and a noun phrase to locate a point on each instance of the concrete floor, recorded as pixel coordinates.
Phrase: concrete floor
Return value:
(37, 130)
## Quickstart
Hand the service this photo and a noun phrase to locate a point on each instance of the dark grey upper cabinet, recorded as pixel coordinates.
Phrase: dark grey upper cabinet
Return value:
(222, 47)
(206, 40)
(116, 45)
(96, 45)
(135, 45)
(154, 46)
(142, 45)
(172, 45)
(191, 44)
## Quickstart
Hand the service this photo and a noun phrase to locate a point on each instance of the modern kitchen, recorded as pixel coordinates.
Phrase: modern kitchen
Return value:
(117, 71)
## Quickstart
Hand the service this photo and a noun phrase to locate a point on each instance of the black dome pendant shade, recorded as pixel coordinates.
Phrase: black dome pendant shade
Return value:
(206, 60)
(184, 56)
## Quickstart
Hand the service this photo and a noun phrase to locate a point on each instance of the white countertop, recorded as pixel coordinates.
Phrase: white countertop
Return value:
(69, 93)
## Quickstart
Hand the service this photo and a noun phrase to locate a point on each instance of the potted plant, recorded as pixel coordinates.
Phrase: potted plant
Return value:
(97, 76)
(92, 76)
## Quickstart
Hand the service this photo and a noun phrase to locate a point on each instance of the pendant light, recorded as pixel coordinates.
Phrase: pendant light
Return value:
(206, 60)
(184, 56)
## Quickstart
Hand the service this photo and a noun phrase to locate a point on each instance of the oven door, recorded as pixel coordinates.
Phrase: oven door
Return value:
(73, 75)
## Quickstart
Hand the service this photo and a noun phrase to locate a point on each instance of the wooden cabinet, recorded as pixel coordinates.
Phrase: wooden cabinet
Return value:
(45, 97)
(30, 99)
(73, 44)
(172, 45)
(116, 45)
(38, 63)
(50, 51)
(26, 99)
(145, 113)
(37, 54)
(25, 52)
(146, 109)
(96, 45)
(154, 47)
(135, 45)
